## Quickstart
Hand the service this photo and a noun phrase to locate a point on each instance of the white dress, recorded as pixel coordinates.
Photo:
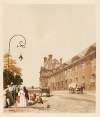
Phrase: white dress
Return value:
(23, 101)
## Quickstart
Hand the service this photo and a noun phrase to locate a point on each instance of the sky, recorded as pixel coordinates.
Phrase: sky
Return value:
(60, 30)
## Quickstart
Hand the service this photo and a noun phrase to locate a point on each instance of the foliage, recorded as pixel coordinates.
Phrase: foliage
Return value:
(11, 73)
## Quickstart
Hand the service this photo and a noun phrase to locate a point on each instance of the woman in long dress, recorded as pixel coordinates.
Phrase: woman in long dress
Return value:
(26, 94)
(22, 98)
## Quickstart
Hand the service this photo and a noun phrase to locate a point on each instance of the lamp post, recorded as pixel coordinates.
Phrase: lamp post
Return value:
(21, 44)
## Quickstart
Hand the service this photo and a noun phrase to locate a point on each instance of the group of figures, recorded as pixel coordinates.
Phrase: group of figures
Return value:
(22, 97)
(10, 94)
(18, 96)
(76, 88)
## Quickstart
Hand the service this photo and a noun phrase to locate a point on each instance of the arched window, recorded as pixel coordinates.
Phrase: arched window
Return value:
(93, 78)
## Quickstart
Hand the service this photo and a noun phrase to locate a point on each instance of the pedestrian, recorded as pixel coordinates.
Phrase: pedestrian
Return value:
(5, 105)
(26, 94)
(34, 97)
(22, 98)
(39, 99)
(9, 95)
(82, 87)
(12, 90)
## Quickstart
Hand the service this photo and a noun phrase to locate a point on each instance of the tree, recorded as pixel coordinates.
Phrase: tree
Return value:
(11, 73)
(7, 78)
(12, 65)
(17, 80)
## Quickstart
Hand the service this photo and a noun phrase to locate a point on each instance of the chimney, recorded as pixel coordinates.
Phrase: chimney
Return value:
(50, 56)
(45, 61)
(60, 61)
(50, 61)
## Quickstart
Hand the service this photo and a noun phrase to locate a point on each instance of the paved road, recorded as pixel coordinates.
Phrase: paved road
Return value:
(62, 102)
(72, 103)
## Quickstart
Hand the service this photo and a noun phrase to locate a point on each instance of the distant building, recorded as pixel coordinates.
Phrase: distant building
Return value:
(80, 69)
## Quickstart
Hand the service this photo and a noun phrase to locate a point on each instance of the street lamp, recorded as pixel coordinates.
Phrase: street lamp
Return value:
(20, 57)
(21, 44)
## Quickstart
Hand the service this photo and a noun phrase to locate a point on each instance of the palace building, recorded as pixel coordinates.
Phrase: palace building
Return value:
(57, 75)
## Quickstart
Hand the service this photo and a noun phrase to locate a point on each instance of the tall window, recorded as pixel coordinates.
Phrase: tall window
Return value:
(83, 79)
(68, 73)
(76, 79)
(65, 72)
(83, 66)
(76, 68)
(93, 64)
(93, 78)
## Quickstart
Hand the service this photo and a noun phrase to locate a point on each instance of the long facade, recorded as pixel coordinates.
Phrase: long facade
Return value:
(57, 75)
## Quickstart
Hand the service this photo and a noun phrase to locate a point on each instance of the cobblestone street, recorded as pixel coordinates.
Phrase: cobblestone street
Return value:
(62, 102)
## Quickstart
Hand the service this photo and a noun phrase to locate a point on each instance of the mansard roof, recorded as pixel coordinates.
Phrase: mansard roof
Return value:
(79, 57)
(75, 58)
(91, 49)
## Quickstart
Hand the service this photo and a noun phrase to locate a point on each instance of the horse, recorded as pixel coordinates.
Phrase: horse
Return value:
(72, 87)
